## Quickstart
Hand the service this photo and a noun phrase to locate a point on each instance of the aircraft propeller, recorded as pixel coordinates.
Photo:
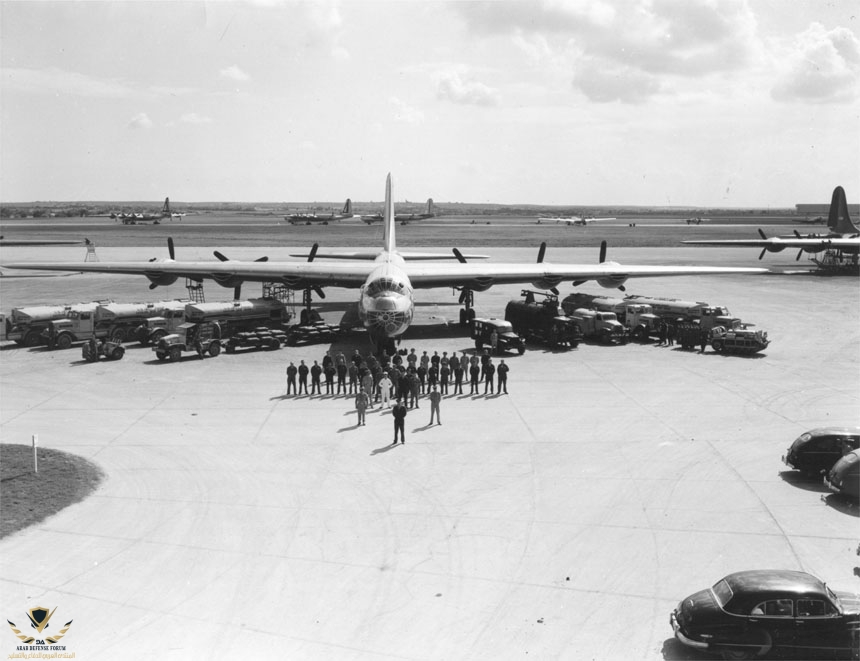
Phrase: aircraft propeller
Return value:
(172, 252)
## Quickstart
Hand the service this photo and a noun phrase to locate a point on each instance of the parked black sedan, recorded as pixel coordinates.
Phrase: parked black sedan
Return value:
(814, 452)
(748, 613)
(844, 477)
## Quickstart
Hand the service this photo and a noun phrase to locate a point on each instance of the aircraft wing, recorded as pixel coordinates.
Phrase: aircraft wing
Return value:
(820, 244)
(353, 275)
(481, 276)
(295, 275)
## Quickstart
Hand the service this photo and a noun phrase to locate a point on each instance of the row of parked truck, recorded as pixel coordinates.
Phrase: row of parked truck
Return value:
(540, 317)
(61, 326)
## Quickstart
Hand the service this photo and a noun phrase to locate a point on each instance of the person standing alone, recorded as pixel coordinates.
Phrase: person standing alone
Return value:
(435, 398)
(399, 414)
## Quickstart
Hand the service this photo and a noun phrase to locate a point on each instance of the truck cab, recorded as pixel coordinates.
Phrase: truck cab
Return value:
(505, 337)
(203, 338)
(77, 327)
(640, 321)
(601, 326)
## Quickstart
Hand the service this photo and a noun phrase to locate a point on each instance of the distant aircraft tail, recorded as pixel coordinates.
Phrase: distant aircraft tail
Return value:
(839, 220)
(165, 209)
(430, 211)
(388, 243)
(347, 208)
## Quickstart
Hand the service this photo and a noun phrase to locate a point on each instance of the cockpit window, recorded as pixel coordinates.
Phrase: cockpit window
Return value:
(382, 285)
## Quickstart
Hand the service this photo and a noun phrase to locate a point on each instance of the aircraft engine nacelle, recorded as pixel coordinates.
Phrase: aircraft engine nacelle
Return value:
(774, 247)
(161, 279)
(612, 281)
(480, 284)
(227, 280)
(547, 282)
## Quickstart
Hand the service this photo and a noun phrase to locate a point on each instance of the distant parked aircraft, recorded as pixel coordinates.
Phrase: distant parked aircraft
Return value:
(310, 218)
(571, 220)
(146, 216)
(403, 218)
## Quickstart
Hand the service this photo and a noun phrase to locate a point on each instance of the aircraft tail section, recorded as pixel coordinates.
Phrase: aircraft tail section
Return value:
(839, 220)
(347, 208)
(388, 243)
(430, 211)
(165, 209)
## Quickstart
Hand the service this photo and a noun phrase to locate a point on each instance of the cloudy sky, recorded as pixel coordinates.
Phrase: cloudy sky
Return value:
(651, 102)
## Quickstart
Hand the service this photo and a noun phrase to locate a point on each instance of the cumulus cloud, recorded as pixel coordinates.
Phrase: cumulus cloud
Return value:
(823, 65)
(405, 113)
(450, 87)
(325, 26)
(140, 121)
(234, 73)
(646, 40)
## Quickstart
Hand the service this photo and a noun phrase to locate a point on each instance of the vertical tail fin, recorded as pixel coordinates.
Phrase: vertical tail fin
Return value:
(839, 221)
(388, 243)
(430, 206)
(347, 208)
(166, 207)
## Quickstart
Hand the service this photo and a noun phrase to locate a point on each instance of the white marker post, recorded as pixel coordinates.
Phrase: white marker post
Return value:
(35, 454)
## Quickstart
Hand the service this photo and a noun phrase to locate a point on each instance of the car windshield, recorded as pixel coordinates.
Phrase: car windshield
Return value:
(833, 598)
(722, 592)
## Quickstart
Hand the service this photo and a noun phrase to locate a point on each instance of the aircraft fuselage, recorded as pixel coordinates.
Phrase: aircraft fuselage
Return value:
(386, 305)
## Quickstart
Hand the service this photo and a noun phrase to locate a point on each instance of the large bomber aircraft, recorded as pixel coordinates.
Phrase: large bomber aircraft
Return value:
(843, 238)
(571, 220)
(387, 278)
(309, 218)
(402, 218)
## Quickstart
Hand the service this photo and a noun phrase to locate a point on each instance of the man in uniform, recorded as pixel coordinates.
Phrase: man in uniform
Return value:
(399, 414)
(502, 371)
(361, 403)
(413, 387)
(303, 377)
(291, 378)
(353, 377)
(316, 370)
(489, 375)
(444, 374)
(474, 374)
(341, 374)
(329, 372)
(421, 372)
(435, 398)
(385, 390)
(458, 378)
(367, 386)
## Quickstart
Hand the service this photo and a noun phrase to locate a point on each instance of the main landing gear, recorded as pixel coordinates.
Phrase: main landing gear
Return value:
(467, 312)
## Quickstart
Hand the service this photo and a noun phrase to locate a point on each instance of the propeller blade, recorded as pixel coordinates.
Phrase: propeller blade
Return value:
(463, 294)
(797, 234)
(799, 253)
(313, 252)
(622, 287)
(221, 256)
(153, 286)
(763, 251)
(542, 252)
(319, 291)
(762, 234)
(554, 290)
(170, 250)
(237, 292)
(576, 283)
(460, 259)
(602, 252)
(262, 259)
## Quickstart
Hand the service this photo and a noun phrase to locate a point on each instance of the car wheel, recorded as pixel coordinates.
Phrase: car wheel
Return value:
(759, 643)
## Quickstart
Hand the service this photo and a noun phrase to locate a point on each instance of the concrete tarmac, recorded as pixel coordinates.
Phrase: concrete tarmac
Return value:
(563, 520)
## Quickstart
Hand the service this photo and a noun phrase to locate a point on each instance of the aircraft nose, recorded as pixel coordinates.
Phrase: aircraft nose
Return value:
(386, 303)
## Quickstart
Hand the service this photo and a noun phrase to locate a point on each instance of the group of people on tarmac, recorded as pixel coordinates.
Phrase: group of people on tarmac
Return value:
(403, 378)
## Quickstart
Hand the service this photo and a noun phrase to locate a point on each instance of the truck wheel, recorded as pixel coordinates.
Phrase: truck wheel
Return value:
(463, 320)
(161, 355)
(64, 341)
(718, 345)
(639, 335)
(118, 335)
(214, 349)
(31, 339)
(157, 335)
(117, 354)
(175, 354)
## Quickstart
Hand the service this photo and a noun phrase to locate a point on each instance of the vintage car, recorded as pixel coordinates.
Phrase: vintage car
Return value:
(814, 452)
(505, 337)
(844, 477)
(748, 613)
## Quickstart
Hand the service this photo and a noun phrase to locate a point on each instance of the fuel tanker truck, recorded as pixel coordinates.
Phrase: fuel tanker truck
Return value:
(637, 318)
(543, 320)
(240, 316)
(113, 321)
(26, 325)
